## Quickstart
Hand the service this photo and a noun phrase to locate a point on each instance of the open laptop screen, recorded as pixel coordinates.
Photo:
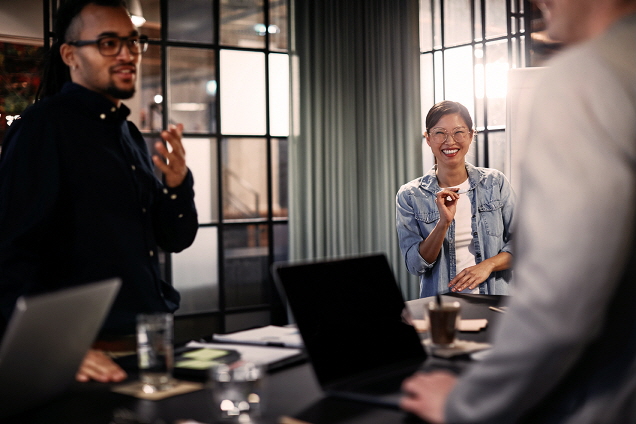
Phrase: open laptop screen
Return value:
(349, 313)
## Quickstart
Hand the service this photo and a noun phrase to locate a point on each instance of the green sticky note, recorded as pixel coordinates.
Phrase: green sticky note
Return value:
(205, 354)
(195, 364)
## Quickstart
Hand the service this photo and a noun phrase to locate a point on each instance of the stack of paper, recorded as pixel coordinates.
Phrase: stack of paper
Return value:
(270, 335)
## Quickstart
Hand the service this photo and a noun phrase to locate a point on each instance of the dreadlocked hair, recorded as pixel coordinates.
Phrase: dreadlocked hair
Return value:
(55, 72)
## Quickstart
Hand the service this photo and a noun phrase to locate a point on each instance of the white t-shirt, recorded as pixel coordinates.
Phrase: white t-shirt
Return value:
(464, 248)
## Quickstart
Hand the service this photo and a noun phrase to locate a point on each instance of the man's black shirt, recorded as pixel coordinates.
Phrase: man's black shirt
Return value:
(79, 202)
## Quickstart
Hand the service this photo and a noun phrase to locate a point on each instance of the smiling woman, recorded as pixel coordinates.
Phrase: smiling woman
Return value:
(454, 222)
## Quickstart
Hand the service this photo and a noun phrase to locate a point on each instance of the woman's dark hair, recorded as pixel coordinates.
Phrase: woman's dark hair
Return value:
(447, 107)
(55, 72)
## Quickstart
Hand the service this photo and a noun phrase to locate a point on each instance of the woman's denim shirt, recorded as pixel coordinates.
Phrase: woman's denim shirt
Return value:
(492, 203)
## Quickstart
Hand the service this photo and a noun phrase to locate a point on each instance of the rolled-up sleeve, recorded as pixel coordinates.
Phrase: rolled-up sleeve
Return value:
(409, 235)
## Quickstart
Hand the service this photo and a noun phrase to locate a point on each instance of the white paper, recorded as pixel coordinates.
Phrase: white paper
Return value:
(270, 335)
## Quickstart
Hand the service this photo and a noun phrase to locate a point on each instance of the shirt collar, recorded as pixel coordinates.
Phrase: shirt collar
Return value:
(94, 104)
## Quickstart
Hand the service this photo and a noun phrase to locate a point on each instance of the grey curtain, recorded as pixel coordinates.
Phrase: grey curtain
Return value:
(356, 126)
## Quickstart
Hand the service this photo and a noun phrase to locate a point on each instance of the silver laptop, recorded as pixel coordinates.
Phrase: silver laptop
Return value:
(46, 340)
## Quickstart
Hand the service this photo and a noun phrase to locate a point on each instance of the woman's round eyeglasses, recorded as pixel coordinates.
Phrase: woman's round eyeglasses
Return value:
(459, 134)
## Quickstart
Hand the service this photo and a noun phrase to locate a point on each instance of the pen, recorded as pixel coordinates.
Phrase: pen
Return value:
(277, 344)
(462, 191)
(494, 308)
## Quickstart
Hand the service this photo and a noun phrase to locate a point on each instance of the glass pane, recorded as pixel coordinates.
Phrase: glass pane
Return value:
(244, 165)
(195, 273)
(192, 87)
(19, 80)
(426, 26)
(496, 18)
(478, 26)
(201, 159)
(281, 242)
(438, 64)
(242, 92)
(496, 82)
(246, 268)
(149, 116)
(437, 24)
(497, 150)
(523, 63)
(279, 95)
(243, 23)
(458, 63)
(191, 20)
(457, 22)
(480, 86)
(278, 25)
(151, 12)
(427, 86)
(280, 197)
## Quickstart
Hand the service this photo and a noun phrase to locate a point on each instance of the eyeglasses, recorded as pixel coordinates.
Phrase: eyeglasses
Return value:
(459, 134)
(112, 45)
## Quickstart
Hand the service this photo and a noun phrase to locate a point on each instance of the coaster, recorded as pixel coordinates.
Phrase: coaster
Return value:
(421, 325)
(135, 389)
(461, 347)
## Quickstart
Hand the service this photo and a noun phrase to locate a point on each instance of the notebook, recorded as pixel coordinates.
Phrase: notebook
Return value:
(46, 340)
(349, 313)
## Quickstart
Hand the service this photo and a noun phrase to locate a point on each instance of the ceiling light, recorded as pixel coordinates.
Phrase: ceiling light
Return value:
(136, 14)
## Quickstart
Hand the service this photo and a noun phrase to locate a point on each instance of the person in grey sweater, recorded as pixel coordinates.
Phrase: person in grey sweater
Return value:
(565, 352)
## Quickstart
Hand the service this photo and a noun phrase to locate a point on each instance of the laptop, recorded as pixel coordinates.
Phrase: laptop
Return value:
(46, 340)
(349, 313)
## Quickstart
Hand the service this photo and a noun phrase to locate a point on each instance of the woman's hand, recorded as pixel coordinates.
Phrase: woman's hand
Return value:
(474, 275)
(471, 277)
(99, 367)
(446, 201)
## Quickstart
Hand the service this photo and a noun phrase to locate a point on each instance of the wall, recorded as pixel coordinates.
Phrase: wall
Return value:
(21, 18)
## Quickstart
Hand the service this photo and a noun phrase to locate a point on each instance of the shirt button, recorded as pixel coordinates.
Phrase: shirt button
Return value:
(152, 253)
(165, 191)
(180, 215)
(133, 167)
(143, 210)
(174, 196)
(102, 116)
(113, 109)
(475, 233)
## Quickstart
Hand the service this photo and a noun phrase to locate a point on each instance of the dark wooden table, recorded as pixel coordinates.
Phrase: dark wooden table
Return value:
(292, 391)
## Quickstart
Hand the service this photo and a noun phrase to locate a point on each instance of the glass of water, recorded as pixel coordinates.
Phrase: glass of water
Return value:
(155, 351)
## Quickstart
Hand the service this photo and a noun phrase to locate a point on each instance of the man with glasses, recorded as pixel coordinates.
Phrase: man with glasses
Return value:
(79, 201)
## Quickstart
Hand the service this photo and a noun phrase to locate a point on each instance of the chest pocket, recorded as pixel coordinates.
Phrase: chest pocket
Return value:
(426, 221)
(491, 219)
(427, 218)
